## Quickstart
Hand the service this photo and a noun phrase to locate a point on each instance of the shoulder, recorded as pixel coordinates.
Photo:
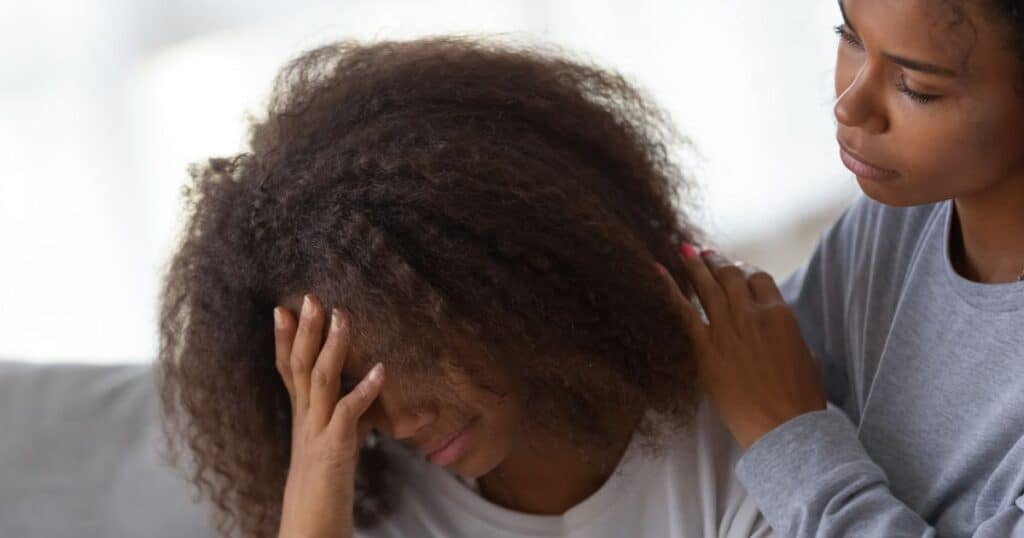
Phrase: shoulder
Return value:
(854, 279)
(870, 244)
(701, 461)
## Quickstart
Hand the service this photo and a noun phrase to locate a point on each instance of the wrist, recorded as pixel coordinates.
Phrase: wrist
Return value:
(749, 432)
(324, 529)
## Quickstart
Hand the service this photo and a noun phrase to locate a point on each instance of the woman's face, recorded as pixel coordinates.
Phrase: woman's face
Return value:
(928, 103)
(449, 418)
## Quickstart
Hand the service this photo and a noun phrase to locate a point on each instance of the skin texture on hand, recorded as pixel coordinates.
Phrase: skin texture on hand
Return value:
(751, 356)
(326, 432)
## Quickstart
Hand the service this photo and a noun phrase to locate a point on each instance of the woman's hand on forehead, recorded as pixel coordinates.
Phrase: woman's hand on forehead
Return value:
(326, 427)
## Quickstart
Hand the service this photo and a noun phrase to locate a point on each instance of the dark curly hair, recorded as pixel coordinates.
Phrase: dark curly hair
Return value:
(442, 190)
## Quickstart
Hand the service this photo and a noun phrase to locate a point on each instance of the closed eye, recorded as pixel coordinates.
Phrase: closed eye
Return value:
(847, 36)
(922, 98)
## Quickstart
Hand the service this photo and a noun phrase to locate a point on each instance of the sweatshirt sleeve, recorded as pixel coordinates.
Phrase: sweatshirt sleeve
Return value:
(812, 478)
(812, 475)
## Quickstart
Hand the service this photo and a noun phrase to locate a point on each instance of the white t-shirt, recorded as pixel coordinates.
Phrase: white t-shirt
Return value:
(687, 491)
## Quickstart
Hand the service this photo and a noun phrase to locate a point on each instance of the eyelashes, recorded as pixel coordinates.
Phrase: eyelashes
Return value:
(923, 98)
(901, 83)
(848, 37)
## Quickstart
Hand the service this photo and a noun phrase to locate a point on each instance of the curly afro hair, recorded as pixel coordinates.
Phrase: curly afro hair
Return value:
(441, 190)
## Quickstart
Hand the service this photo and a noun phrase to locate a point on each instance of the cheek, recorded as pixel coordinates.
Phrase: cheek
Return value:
(941, 156)
(497, 431)
(499, 412)
(994, 153)
(489, 393)
(501, 421)
(949, 145)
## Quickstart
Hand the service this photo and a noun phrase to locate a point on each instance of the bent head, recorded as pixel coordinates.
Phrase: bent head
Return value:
(467, 421)
(489, 217)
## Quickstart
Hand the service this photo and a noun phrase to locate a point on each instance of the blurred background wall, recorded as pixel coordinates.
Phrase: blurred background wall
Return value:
(103, 103)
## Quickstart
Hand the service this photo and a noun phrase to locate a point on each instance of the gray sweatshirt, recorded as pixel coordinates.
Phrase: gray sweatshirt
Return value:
(927, 369)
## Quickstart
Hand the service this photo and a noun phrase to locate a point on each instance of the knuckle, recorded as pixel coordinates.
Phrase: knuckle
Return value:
(300, 365)
(345, 412)
(320, 378)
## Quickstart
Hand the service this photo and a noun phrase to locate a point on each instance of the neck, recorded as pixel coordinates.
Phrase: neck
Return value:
(551, 476)
(988, 238)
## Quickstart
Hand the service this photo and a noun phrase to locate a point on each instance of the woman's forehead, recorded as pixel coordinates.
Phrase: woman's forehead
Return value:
(960, 35)
(937, 31)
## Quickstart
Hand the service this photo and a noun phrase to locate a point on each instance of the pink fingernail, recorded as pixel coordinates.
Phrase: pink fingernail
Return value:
(688, 251)
(707, 251)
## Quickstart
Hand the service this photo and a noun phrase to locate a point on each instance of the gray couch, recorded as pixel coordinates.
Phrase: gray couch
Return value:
(79, 456)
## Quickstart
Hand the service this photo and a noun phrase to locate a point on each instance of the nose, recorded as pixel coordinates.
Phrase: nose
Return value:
(861, 104)
(407, 425)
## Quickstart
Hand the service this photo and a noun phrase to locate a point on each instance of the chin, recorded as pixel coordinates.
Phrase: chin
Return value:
(895, 193)
(474, 465)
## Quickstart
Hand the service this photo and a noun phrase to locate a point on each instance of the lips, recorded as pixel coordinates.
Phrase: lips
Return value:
(861, 166)
(445, 451)
(440, 442)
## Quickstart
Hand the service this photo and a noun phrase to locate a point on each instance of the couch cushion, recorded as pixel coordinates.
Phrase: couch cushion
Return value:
(79, 456)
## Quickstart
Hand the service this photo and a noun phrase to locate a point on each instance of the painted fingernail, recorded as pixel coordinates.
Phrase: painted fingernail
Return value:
(707, 251)
(688, 251)
(336, 320)
(278, 319)
(307, 306)
(376, 372)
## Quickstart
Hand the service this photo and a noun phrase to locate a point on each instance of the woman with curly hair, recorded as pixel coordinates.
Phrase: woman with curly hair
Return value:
(485, 222)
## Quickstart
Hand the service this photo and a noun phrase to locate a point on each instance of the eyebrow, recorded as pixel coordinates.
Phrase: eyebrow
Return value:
(913, 65)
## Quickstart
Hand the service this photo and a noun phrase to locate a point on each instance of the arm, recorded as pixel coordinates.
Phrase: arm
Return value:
(806, 467)
(812, 477)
